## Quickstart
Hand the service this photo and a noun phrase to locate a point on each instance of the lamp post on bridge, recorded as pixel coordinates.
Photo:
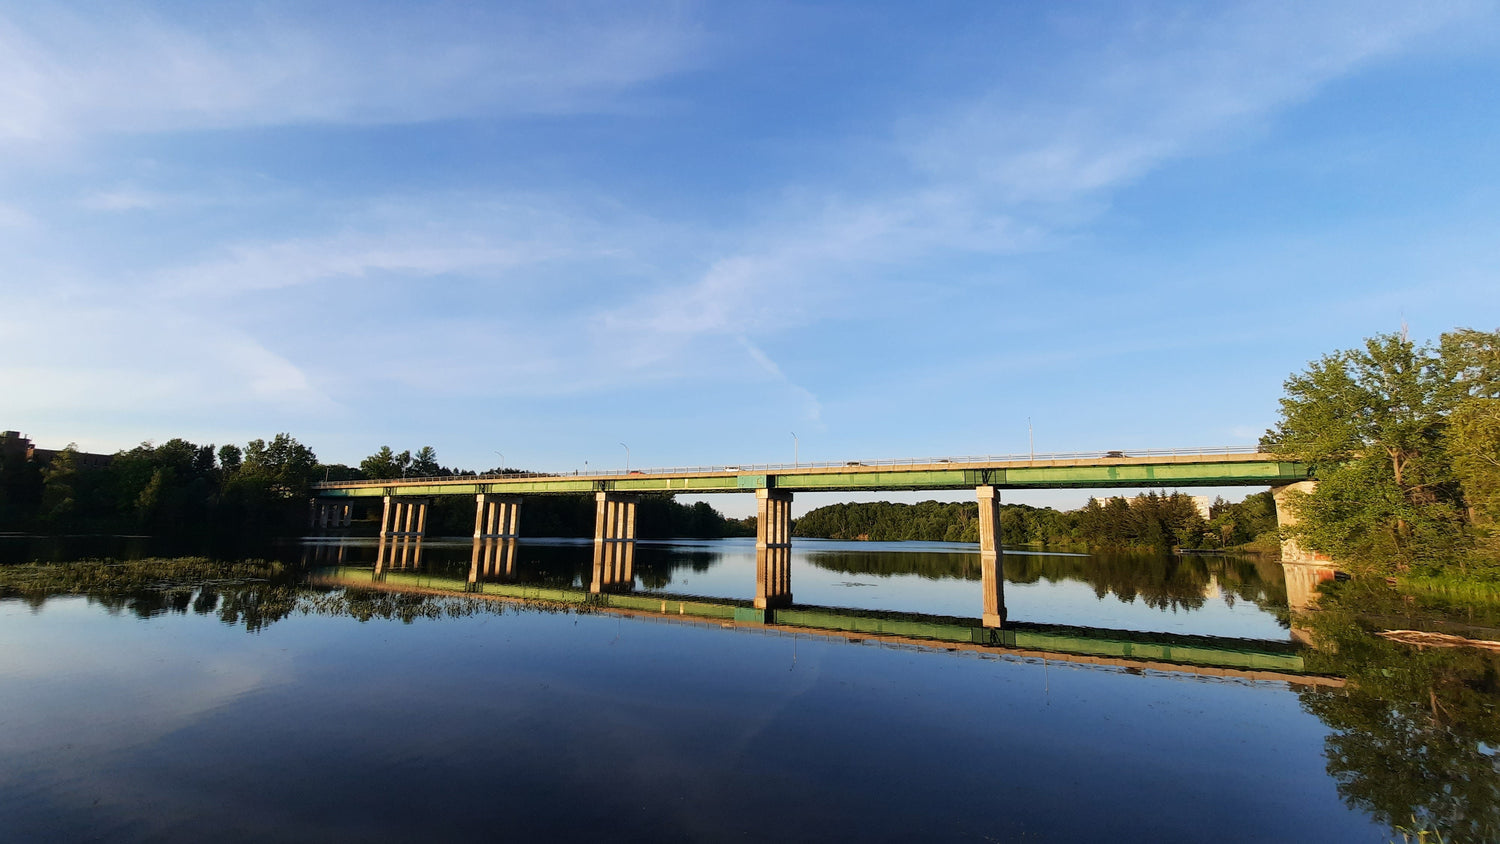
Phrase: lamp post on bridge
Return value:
(627, 457)
(501, 455)
(796, 460)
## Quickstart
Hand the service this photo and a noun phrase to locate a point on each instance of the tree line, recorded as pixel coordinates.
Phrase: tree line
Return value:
(181, 489)
(178, 488)
(1149, 520)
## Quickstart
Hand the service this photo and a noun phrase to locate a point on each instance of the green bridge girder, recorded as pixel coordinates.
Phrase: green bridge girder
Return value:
(1101, 473)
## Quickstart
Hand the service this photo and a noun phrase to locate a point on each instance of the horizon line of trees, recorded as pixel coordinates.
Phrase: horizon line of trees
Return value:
(1160, 521)
(181, 489)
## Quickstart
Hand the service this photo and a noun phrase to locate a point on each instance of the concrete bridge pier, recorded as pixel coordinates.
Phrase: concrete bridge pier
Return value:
(329, 514)
(614, 542)
(991, 557)
(497, 516)
(404, 516)
(773, 518)
(402, 525)
(773, 549)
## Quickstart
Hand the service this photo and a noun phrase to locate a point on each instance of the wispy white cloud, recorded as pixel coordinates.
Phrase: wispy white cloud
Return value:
(814, 408)
(64, 72)
(12, 217)
(123, 353)
(125, 199)
(1157, 84)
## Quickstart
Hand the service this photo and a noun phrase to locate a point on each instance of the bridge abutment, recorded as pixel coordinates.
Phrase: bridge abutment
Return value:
(1291, 550)
(991, 557)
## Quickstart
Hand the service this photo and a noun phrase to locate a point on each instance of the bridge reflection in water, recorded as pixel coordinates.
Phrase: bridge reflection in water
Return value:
(492, 574)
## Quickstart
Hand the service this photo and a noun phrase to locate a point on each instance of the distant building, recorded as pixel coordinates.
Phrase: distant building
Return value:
(14, 446)
(1205, 507)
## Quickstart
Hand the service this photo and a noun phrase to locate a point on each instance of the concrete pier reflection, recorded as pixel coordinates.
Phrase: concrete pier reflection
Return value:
(493, 560)
(398, 553)
(773, 577)
(614, 567)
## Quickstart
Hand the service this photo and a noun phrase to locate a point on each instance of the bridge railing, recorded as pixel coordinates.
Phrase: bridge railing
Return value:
(758, 468)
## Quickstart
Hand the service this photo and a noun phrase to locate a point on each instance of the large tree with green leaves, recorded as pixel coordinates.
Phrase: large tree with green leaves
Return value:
(386, 464)
(1376, 425)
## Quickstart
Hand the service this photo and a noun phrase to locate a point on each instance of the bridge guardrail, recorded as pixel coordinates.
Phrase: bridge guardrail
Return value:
(757, 468)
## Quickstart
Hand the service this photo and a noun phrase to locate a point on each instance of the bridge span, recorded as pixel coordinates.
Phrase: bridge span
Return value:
(498, 499)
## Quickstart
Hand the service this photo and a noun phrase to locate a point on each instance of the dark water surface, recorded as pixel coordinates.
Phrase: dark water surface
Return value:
(298, 712)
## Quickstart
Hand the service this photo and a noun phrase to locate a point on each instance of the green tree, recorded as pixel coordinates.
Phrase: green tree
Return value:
(1371, 422)
(424, 463)
(230, 457)
(285, 465)
(386, 464)
(59, 481)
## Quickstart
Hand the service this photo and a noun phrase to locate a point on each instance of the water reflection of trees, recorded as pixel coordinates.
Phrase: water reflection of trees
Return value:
(256, 606)
(1416, 733)
(1161, 581)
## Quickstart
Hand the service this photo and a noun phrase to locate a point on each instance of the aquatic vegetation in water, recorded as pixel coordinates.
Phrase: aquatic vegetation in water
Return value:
(95, 577)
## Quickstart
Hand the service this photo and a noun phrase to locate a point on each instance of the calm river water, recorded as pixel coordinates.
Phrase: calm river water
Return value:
(317, 711)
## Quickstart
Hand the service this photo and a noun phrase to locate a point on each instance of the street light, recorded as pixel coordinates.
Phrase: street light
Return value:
(627, 457)
(501, 455)
(795, 459)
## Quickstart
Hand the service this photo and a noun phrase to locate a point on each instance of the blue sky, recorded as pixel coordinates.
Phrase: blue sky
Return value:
(898, 230)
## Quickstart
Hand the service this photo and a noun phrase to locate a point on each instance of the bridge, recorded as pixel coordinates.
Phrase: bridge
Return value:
(498, 499)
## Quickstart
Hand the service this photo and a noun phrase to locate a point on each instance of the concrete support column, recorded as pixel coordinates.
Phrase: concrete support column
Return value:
(497, 516)
(404, 517)
(773, 518)
(991, 557)
(614, 517)
(1291, 551)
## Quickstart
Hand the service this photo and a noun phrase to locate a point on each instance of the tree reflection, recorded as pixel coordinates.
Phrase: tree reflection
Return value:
(1161, 581)
(1416, 732)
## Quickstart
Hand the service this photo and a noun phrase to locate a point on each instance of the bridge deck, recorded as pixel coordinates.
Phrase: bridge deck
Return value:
(1245, 468)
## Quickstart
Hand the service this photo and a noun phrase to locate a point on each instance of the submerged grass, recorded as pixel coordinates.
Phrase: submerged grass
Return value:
(117, 576)
(1466, 589)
